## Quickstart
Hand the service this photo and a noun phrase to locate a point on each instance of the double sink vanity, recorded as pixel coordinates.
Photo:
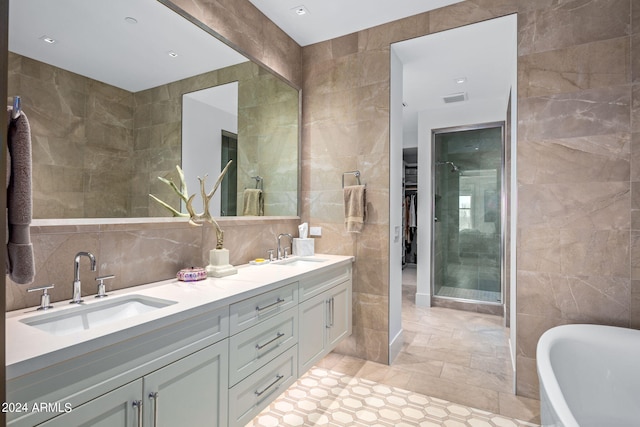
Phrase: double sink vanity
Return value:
(213, 352)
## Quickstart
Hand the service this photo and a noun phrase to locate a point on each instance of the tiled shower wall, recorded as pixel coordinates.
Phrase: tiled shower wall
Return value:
(578, 161)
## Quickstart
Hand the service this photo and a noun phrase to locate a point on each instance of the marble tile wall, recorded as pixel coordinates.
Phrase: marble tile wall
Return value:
(578, 145)
(82, 136)
(98, 150)
(137, 252)
(575, 163)
(267, 129)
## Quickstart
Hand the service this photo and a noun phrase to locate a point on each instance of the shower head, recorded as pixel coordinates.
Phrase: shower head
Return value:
(454, 168)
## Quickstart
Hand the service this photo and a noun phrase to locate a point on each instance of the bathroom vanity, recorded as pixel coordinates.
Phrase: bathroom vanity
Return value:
(213, 352)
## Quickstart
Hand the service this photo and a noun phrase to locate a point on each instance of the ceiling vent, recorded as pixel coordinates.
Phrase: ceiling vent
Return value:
(455, 97)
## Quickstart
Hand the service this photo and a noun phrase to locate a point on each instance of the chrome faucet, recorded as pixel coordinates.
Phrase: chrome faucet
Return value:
(77, 291)
(282, 255)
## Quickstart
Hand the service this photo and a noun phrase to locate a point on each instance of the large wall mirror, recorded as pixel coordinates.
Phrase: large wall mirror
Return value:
(119, 92)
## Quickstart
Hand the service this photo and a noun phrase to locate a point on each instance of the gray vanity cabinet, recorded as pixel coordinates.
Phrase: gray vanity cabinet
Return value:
(211, 365)
(189, 392)
(325, 318)
(113, 409)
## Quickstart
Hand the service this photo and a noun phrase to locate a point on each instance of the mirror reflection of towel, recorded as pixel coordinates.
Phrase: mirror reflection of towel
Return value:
(20, 261)
(355, 209)
(253, 202)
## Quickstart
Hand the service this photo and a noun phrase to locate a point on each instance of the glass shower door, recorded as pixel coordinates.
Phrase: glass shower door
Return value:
(467, 230)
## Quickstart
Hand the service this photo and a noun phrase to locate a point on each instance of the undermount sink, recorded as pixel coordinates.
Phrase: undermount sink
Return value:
(84, 317)
(299, 261)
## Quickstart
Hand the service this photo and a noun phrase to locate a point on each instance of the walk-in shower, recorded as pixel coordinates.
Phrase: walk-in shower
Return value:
(467, 245)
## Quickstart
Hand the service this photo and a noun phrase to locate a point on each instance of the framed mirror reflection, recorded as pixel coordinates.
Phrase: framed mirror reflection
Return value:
(111, 97)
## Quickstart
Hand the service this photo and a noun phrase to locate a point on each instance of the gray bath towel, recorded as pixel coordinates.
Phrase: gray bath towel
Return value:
(20, 263)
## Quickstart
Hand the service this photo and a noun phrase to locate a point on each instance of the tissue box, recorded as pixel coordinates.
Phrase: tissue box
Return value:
(303, 247)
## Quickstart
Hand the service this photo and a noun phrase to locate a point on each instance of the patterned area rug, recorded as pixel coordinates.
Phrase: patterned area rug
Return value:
(327, 398)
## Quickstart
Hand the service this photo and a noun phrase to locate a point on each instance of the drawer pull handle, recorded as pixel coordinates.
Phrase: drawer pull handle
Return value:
(154, 396)
(277, 337)
(138, 405)
(260, 393)
(278, 301)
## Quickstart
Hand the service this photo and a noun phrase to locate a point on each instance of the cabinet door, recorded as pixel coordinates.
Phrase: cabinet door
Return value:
(339, 320)
(114, 409)
(312, 315)
(189, 392)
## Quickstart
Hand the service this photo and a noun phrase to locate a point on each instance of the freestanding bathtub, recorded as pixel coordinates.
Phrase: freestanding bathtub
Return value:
(589, 376)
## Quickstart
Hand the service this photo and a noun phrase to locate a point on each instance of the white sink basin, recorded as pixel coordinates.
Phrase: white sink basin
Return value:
(89, 316)
(299, 261)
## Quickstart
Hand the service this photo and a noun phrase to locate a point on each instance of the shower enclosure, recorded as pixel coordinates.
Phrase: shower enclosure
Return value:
(468, 229)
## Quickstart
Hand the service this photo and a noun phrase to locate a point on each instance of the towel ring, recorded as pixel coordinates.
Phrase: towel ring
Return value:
(355, 173)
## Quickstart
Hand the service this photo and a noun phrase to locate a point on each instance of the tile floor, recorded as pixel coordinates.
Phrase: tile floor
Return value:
(329, 398)
(448, 355)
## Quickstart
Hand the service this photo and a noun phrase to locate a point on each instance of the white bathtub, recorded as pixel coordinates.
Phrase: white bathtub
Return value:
(589, 376)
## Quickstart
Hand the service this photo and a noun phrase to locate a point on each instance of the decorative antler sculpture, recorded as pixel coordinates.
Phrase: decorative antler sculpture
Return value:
(195, 218)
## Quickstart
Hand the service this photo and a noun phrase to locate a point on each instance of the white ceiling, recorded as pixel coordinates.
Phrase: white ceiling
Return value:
(93, 39)
(328, 19)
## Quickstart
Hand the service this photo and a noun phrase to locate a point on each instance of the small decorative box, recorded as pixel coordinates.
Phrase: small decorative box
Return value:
(192, 274)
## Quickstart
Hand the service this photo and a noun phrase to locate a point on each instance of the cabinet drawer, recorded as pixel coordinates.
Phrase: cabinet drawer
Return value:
(323, 280)
(251, 311)
(255, 392)
(256, 346)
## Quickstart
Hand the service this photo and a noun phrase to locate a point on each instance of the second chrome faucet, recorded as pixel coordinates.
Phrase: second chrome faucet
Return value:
(77, 289)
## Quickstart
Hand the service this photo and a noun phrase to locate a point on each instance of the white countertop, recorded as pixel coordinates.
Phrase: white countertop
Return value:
(29, 348)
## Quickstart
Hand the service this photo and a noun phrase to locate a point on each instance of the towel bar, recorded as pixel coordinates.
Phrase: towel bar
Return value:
(259, 182)
(355, 173)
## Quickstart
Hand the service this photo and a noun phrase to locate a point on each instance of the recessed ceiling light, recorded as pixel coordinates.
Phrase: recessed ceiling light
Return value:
(48, 39)
(460, 80)
(130, 20)
(300, 10)
(172, 54)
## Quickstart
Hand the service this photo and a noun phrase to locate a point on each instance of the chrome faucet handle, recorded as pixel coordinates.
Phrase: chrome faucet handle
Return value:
(45, 303)
(286, 253)
(101, 288)
(270, 253)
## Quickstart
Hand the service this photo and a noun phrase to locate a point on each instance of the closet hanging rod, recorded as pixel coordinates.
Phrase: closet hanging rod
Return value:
(355, 173)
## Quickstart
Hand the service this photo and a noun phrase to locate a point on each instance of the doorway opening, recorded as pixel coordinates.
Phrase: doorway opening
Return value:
(229, 184)
(467, 256)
